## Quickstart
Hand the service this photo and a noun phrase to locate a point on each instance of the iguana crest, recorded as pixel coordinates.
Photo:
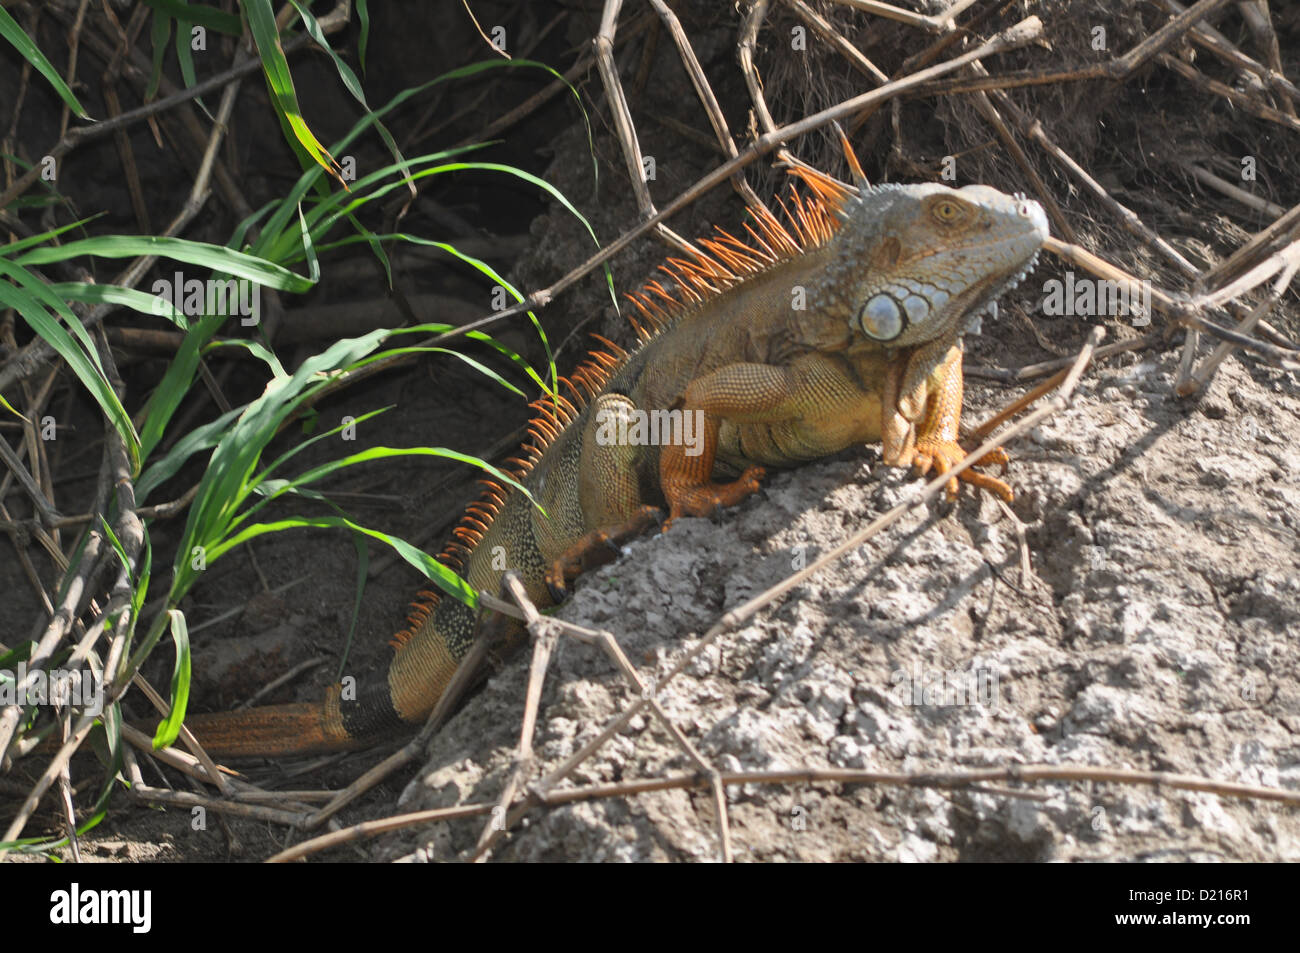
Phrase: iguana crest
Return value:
(715, 264)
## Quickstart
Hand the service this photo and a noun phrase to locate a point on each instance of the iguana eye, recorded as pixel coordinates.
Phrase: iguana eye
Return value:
(947, 211)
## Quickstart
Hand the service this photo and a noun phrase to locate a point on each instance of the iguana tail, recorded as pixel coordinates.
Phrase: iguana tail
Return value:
(351, 717)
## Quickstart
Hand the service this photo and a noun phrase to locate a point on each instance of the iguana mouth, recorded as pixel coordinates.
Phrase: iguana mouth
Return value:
(1009, 285)
(892, 311)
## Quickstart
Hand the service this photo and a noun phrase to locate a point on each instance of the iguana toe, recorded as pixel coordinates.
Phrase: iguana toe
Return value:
(559, 592)
(942, 455)
(706, 500)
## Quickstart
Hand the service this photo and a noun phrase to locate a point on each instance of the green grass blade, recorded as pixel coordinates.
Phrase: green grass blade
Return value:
(225, 483)
(374, 453)
(363, 15)
(143, 576)
(10, 407)
(237, 236)
(437, 573)
(115, 543)
(12, 32)
(480, 336)
(45, 296)
(180, 691)
(169, 393)
(258, 350)
(477, 365)
(197, 440)
(312, 175)
(127, 297)
(261, 23)
(202, 14)
(184, 56)
(491, 274)
(348, 77)
(384, 453)
(14, 248)
(83, 362)
(308, 248)
(217, 257)
(278, 242)
(265, 475)
(159, 33)
(50, 195)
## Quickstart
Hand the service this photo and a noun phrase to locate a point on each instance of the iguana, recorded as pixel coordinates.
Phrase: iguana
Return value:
(838, 323)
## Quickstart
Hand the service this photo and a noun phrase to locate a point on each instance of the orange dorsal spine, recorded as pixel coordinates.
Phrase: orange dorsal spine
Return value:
(714, 265)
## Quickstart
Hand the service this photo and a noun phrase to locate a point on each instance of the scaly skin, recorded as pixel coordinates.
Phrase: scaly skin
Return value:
(852, 337)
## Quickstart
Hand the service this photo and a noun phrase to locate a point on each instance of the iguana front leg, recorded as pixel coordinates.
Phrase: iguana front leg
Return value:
(925, 394)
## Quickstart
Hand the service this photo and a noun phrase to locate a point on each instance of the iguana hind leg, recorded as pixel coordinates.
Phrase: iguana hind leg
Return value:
(609, 496)
(597, 548)
(686, 478)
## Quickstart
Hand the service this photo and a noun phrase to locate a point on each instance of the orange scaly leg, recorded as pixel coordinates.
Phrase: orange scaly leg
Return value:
(935, 447)
(740, 393)
(686, 480)
(816, 403)
(595, 549)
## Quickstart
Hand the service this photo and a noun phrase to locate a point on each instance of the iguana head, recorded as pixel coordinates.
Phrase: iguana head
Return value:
(910, 262)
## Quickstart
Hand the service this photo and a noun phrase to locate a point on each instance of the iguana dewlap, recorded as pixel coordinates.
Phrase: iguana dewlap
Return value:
(839, 326)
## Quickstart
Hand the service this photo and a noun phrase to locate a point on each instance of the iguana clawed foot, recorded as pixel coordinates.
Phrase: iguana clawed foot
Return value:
(942, 455)
(596, 549)
(705, 500)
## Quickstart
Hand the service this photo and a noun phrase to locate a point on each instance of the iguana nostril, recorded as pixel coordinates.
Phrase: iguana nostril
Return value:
(1034, 212)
